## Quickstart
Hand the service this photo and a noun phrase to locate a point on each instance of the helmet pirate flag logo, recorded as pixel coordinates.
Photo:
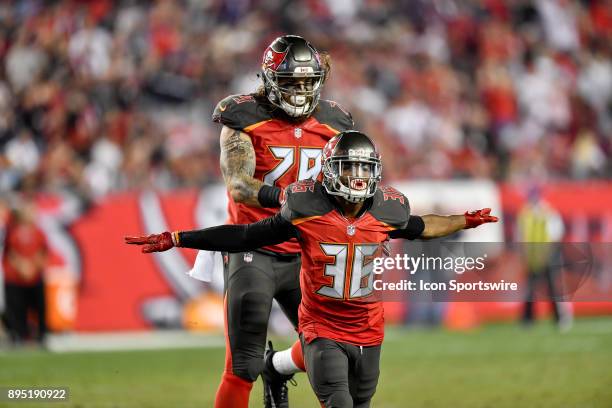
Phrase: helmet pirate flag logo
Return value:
(273, 59)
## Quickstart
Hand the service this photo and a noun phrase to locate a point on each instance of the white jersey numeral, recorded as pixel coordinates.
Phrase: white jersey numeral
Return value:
(309, 163)
(285, 154)
(360, 270)
(336, 270)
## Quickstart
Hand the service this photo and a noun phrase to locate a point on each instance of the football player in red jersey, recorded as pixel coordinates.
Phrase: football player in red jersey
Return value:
(269, 140)
(339, 223)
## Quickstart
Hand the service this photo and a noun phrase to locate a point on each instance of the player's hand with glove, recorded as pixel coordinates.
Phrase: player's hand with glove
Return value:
(478, 217)
(437, 226)
(154, 242)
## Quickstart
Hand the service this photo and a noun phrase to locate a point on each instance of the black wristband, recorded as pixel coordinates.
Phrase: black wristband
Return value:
(413, 230)
(269, 196)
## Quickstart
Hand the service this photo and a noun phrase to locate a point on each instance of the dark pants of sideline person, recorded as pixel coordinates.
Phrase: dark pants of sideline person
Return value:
(533, 281)
(20, 300)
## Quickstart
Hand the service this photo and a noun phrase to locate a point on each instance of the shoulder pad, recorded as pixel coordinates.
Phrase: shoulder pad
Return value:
(332, 114)
(391, 207)
(305, 199)
(240, 111)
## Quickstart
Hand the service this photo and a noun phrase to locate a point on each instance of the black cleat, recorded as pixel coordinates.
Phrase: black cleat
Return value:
(276, 394)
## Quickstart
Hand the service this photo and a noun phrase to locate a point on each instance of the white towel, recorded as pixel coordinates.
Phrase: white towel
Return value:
(203, 267)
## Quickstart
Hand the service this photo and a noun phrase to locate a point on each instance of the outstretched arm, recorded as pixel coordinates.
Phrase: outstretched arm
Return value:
(230, 238)
(436, 226)
(238, 167)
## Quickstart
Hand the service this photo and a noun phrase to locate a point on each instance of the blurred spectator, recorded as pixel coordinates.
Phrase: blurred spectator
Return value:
(89, 50)
(103, 96)
(542, 98)
(25, 60)
(22, 152)
(7, 115)
(23, 261)
(102, 171)
(559, 21)
(595, 83)
(588, 159)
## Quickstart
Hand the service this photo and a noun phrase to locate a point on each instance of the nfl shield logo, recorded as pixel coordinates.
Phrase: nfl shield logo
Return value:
(297, 132)
(350, 230)
(248, 257)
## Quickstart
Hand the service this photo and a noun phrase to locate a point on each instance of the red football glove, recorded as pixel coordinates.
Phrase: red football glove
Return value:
(475, 218)
(152, 243)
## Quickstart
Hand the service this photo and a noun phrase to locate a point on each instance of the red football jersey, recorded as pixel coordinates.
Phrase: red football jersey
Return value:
(338, 301)
(285, 151)
(25, 241)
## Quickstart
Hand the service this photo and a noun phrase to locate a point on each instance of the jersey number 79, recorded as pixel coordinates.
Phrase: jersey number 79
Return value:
(309, 163)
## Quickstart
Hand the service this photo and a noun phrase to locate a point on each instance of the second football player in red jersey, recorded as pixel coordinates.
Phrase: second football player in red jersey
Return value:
(269, 139)
(339, 224)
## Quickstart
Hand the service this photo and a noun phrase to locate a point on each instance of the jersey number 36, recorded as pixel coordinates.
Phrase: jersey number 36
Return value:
(361, 277)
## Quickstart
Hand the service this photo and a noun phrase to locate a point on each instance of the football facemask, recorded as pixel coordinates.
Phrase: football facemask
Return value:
(296, 95)
(353, 180)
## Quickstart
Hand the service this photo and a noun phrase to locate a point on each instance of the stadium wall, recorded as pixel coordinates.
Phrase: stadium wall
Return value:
(97, 283)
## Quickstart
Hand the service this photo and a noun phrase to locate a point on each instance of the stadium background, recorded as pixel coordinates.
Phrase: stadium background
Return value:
(105, 123)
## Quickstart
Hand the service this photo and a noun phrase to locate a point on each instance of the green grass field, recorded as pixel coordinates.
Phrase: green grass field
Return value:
(497, 366)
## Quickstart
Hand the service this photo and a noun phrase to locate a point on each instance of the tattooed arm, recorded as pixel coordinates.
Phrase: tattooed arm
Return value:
(238, 166)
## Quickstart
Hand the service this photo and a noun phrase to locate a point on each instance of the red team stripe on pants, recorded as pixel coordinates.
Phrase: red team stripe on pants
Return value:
(228, 348)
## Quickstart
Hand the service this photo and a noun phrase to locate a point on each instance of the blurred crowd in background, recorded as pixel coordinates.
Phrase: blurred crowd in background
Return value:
(101, 96)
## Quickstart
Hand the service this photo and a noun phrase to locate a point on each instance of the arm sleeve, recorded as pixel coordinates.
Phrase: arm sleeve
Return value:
(413, 230)
(239, 238)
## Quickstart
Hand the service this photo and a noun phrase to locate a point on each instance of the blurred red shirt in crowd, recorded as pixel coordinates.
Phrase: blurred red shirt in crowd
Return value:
(25, 250)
